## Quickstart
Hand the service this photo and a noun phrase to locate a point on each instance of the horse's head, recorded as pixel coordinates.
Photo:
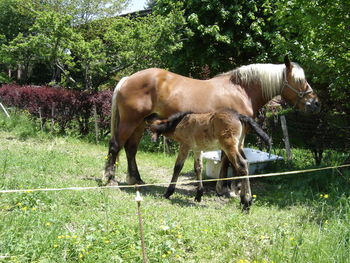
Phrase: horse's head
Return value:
(154, 128)
(297, 91)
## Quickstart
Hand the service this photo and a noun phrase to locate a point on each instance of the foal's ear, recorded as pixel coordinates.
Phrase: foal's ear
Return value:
(287, 62)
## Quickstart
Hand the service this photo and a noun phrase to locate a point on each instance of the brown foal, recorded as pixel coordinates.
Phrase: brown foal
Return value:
(223, 129)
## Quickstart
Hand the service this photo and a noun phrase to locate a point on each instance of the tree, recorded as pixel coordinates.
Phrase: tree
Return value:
(221, 34)
(46, 42)
(135, 44)
(317, 34)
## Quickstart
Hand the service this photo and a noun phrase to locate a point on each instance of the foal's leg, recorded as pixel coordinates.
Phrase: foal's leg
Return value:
(246, 181)
(227, 188)
(181, 157)
(131, 145)
(221, 186)
(241, 167)
(198, 167)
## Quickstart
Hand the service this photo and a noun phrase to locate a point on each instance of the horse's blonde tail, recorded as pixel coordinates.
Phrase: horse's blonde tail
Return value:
(114, 110)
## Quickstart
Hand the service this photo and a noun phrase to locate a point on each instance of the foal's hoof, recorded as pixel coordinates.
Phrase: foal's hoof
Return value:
(168, 193)
(246, 202)
(199, 195)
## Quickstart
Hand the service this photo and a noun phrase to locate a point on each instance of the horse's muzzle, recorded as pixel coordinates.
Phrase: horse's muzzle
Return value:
(312, 106)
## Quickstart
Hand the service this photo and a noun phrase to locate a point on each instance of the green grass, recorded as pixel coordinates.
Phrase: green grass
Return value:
(289, 222)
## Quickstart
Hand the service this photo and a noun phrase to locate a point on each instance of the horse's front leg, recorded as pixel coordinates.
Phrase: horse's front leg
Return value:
(198, 167)
(182, 155)
(131, 150)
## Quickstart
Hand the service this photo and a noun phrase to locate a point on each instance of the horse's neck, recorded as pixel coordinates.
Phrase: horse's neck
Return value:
(257, 97)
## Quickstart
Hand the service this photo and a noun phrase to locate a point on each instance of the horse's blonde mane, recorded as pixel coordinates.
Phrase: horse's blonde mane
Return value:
(269, 76)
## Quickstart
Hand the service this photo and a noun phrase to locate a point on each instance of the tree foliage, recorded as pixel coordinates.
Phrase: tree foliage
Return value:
(222, 34)
(317, 34)
(80, 47)
(82, 43)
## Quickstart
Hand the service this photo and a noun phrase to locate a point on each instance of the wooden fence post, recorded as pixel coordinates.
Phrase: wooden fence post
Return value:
(41, 120)
(52, 116)
(286, 137)
(96, 122)
(5, 111)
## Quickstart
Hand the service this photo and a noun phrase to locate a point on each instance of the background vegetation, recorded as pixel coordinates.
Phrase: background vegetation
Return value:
(84, 44)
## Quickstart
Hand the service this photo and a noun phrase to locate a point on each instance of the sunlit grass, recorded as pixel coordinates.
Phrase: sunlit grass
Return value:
(293, 219)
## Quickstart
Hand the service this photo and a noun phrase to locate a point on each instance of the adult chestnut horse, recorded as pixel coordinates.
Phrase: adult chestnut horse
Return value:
(245, 90)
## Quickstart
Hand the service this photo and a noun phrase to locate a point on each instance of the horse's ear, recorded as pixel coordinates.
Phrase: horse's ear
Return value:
(287, 62)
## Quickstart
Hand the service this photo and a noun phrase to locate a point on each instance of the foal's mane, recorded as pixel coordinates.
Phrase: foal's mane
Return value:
(269, 76)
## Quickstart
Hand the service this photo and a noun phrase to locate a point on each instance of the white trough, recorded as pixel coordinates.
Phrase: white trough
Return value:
(256, 160)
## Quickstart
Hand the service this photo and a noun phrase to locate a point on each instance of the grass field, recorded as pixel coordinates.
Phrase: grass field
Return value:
(303, 218)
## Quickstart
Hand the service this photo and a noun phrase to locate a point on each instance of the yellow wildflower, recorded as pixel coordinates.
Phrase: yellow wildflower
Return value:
(326, 196)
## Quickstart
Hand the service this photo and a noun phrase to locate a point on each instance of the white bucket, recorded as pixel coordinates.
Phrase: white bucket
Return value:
(256, 161)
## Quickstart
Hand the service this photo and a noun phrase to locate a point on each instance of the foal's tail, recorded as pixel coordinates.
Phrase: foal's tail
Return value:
(260, 132)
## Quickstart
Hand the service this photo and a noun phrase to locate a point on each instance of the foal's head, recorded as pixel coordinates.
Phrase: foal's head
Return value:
(297, 91)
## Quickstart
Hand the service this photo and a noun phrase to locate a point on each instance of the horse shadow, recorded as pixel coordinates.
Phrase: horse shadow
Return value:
(184, 193)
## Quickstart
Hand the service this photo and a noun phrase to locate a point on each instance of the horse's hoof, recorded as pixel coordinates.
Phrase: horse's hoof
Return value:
(132, 180)
(198, 199)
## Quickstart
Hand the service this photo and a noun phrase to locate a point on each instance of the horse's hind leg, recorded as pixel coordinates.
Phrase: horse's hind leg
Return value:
(181, 157)
(113, 151)
(131, 146)
(198, 166)
(115, 145)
